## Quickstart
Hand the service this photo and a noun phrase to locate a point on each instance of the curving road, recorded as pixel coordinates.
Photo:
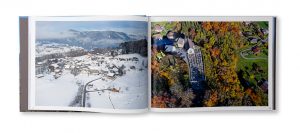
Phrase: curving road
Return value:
(257, 58)
(85, 91)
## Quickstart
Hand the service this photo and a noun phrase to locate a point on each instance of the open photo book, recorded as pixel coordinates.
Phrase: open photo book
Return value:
(133, 64)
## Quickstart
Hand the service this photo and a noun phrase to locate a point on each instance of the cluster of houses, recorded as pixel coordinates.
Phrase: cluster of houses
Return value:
(90, 64)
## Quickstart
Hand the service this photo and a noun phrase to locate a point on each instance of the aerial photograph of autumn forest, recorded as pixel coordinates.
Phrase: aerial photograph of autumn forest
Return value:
(209, 64)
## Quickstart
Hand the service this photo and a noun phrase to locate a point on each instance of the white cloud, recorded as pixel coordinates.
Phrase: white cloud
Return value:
(46, 34)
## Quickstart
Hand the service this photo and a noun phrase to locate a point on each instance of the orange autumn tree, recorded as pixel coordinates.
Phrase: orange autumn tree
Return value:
(224, 86)
(219, 43)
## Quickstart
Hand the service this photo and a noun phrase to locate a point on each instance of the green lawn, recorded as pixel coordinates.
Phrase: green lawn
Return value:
(263, 24)
(242, 63)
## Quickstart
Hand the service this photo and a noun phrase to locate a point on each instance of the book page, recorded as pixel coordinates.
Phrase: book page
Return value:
(96, 64)
(212, 63)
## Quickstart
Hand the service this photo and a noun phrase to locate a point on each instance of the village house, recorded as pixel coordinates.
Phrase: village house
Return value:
(39, 75)
(255, 50)
(94, 58)
(132, 67)
(135, 59)
(264, 86)
(84, 71)
(111, 75)
(53, 67)
(93, 70)
(253, 40)
(67, 67)
(115, 69)
(72, 67)
(57, 70)
(121, 59)
(104, 70)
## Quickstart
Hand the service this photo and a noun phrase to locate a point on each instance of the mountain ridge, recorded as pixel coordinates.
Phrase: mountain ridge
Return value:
(91, 39)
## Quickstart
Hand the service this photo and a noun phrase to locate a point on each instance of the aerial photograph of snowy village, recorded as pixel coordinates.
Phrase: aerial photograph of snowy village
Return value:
(92, 64)
(209, 64)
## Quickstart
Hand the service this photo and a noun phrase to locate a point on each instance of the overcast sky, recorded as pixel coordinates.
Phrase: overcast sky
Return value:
(57, 29)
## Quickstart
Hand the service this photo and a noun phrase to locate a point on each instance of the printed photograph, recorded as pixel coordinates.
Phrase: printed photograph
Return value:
(92, 64)
(209, 64)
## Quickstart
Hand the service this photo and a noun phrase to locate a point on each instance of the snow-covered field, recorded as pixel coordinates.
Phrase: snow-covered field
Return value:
(132, 95)
(46, 49)
(130, 88)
